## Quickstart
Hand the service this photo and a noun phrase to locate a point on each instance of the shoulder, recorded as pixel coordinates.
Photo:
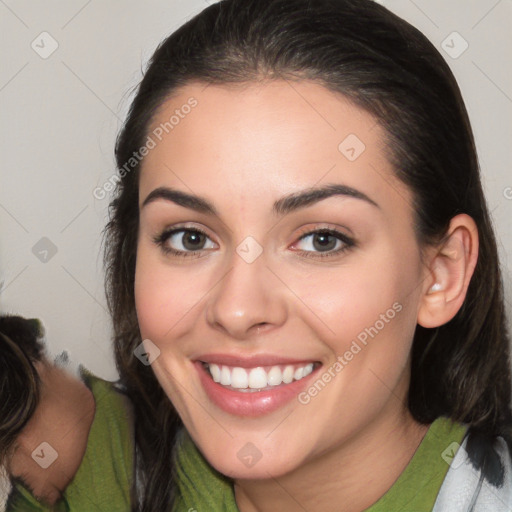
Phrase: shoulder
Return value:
(110, 399)
(111, 439)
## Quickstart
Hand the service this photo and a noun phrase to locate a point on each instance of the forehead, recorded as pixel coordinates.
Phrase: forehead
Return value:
(263, 140)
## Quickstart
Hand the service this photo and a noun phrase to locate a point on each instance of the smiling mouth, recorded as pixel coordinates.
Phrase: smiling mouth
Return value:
(260, 378)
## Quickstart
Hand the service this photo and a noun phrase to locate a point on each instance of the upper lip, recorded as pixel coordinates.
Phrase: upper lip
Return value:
(251, 361)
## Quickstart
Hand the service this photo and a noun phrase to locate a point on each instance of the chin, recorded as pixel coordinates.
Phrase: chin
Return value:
(261, 469)
(239, 458)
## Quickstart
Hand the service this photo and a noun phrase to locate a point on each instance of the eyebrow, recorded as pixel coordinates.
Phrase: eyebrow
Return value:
(282, 206)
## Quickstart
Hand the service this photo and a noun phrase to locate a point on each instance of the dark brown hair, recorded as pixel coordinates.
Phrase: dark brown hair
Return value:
(20, 348)
(387, 67)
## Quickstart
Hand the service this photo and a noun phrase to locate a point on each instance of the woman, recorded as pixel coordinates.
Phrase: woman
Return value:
(302, 273)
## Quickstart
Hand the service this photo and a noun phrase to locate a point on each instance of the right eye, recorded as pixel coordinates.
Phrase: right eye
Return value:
(183, 242)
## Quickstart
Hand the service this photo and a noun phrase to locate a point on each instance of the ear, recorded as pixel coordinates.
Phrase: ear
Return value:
(450, 267)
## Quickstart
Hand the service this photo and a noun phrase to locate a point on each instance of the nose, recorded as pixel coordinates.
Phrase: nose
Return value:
(247, 300)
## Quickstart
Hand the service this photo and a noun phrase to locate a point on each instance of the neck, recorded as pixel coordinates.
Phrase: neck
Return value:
(356, 473)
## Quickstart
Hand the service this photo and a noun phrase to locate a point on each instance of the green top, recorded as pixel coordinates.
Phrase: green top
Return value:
(102, 482)
(415, 490)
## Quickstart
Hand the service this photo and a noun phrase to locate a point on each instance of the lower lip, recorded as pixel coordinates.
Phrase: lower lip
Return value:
(254, 403)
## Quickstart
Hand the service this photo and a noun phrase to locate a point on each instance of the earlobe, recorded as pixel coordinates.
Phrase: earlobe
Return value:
(450, 268)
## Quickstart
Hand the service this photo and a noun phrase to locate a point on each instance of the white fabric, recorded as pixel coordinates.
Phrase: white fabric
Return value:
(465, 490)
(5, 488)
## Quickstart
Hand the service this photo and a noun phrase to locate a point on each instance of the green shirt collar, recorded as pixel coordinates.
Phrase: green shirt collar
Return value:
(201, 487)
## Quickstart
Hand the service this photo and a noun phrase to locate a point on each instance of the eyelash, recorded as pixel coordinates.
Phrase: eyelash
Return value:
(348, 243)
(165, 235)
(162, 238)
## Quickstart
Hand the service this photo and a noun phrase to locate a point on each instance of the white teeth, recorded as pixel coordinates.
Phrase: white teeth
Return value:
(239, 378)
(288, 374)
(257, 378)
(275, 376)
(215, 371)
(308, 369)
(225, 376)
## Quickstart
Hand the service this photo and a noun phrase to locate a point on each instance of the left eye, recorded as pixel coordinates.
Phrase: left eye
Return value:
(324, 241)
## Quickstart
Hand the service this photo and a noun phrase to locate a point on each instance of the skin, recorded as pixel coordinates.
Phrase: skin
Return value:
(242, 148)
(63, 419)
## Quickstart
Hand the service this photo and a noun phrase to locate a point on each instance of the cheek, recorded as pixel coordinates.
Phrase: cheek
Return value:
(164, 298)
(347, 297)
(367, 298)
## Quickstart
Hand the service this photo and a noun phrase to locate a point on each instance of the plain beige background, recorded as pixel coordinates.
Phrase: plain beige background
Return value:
(66, 77)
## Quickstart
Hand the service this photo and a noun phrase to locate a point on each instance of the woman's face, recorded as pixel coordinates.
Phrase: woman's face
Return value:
(297, 276)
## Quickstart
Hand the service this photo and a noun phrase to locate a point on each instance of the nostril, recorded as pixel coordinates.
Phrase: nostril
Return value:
(260, 326)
